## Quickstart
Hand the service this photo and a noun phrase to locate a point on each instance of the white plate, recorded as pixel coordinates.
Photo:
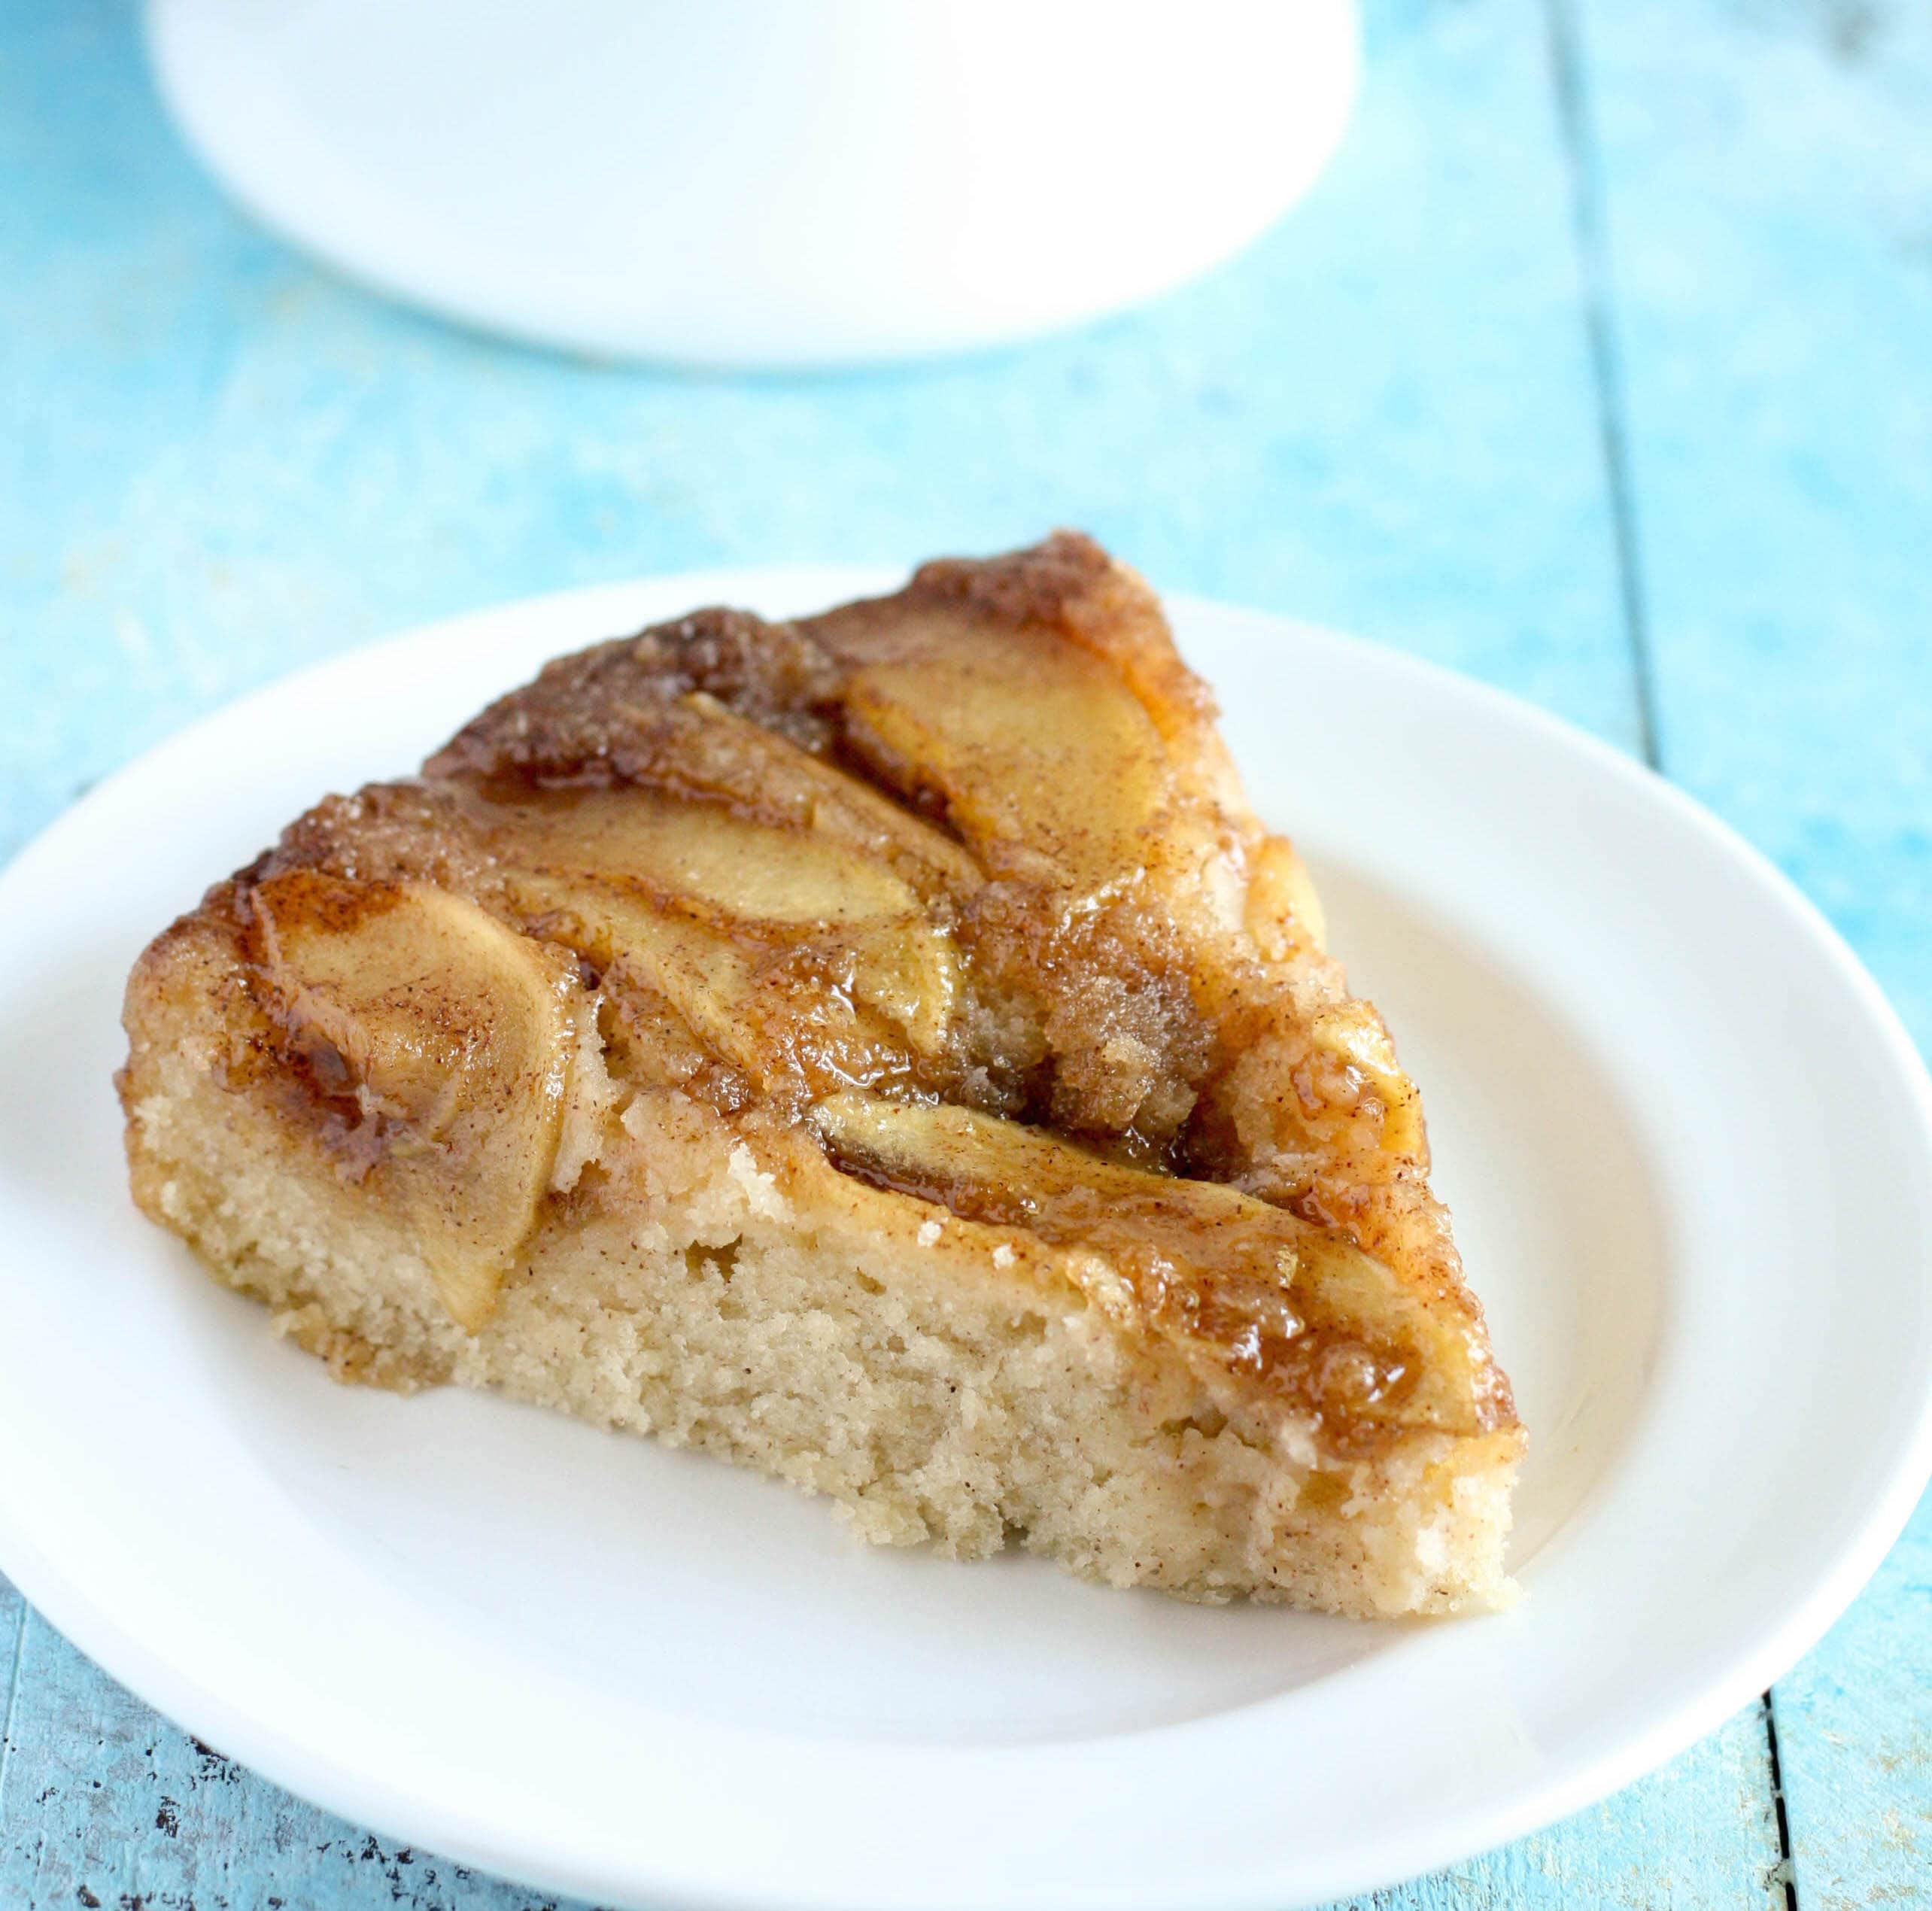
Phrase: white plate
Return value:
(756, 182)
(1690, 1152)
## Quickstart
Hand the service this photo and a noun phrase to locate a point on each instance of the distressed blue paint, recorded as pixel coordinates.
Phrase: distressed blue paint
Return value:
(13, 1642)
(117, 1807)
(217, 463)
(1770, 209)
(224, 463)
(1769, 192)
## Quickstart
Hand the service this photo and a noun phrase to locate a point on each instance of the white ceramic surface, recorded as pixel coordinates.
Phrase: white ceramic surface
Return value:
(763, 182)
(1689, 1153)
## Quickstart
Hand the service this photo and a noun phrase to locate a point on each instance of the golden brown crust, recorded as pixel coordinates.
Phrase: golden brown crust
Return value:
(976, 844)
(598, 714)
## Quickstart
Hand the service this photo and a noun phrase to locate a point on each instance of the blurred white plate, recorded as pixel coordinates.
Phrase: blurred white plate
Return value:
(1689, 1150)
(763, 182)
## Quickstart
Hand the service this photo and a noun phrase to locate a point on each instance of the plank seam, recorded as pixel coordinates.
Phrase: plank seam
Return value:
(1606, 371)
(1786, 1869)
(15, 1659)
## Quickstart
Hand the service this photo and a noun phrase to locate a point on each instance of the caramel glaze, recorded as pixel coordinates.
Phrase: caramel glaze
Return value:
(269, 1048)
(1225, 1275)
(1064, 917)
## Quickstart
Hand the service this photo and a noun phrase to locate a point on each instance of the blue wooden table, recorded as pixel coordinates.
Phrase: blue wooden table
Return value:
(1598, 366)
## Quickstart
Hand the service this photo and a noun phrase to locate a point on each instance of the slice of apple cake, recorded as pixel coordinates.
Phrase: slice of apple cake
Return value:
(881, 1049)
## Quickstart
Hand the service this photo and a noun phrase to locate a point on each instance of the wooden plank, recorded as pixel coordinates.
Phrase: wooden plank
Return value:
(1769, 193)
(1855, 1720)
(1698, 1836)
(113, 1807)
(1768, 182)
(1383, 416)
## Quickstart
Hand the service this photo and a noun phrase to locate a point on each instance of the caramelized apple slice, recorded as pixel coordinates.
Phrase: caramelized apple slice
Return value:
(724, 752)
(705, 979)
(1040, 756)
(1283, 911)
(453, 1036)
(764, 938)
(1253, 1286)
(702, 854)
(787, 1014)
(1355, 1034)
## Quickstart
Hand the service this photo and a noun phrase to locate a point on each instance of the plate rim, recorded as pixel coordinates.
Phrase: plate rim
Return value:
(417, 1814)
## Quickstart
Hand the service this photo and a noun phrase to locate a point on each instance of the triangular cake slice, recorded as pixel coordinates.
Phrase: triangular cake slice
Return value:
(882, 1049)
